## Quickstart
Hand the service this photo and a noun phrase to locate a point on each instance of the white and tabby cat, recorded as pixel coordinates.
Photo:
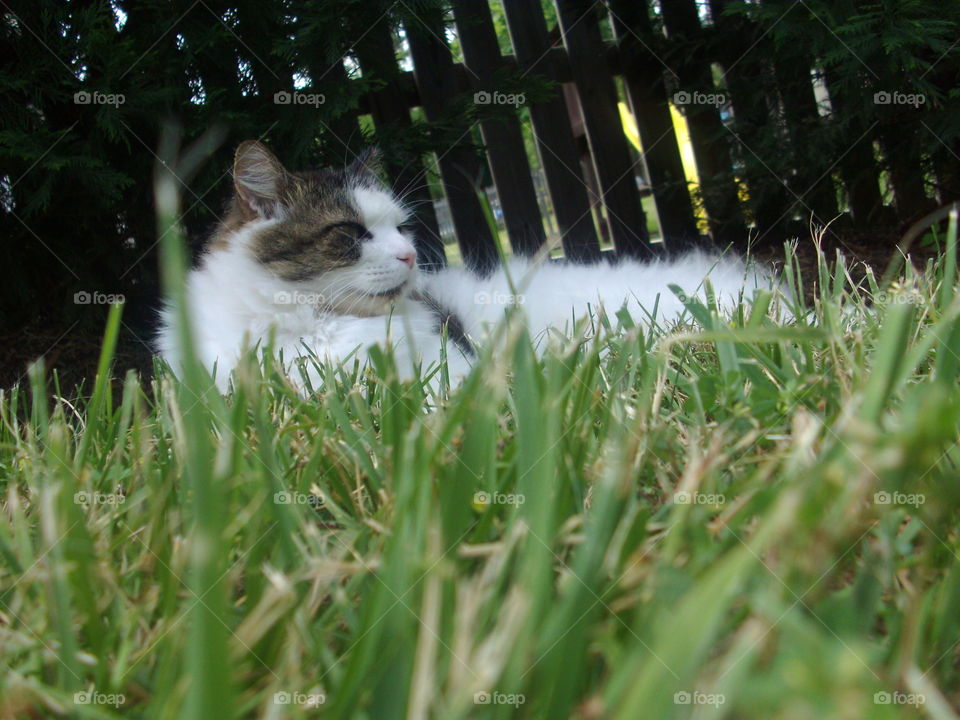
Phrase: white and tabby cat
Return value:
(324, 260)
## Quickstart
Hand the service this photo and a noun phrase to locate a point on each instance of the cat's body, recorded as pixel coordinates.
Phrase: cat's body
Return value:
(323, 264)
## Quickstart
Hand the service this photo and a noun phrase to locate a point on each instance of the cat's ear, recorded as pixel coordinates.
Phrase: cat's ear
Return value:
(259, 179)
(368, 166)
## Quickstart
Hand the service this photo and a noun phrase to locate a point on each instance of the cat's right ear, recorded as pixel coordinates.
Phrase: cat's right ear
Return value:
(259, 179)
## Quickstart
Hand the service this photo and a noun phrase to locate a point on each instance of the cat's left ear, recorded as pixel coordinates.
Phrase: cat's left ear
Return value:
(259, 179)
(368, 166)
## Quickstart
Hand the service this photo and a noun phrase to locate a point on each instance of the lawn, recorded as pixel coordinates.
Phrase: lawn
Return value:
(735, 519)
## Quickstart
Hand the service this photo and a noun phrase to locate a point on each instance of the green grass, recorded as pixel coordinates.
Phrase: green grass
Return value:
(760, 519)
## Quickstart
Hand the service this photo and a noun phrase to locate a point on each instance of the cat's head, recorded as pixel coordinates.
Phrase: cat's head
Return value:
(341, 234)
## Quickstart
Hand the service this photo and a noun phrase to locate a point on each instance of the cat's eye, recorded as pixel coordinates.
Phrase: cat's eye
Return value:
(355, 230)
(406, 227)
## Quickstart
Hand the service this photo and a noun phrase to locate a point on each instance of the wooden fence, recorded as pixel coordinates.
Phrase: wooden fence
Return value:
(597, 161)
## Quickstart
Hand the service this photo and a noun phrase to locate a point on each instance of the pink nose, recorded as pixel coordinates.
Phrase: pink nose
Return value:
(408, 258)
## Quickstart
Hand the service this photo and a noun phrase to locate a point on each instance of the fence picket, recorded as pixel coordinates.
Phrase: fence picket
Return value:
(609, 150)
(709, 139)
(555, 142)
(460, 168)
(502, 136)
(647, 93)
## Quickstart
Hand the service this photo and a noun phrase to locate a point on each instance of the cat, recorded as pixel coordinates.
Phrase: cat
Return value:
(324, 263)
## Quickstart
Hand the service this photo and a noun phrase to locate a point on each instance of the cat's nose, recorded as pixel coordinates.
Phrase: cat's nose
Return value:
(408, 258)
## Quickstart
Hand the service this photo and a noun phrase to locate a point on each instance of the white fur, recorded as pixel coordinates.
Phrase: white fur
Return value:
(234, 302)
(554, 295)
